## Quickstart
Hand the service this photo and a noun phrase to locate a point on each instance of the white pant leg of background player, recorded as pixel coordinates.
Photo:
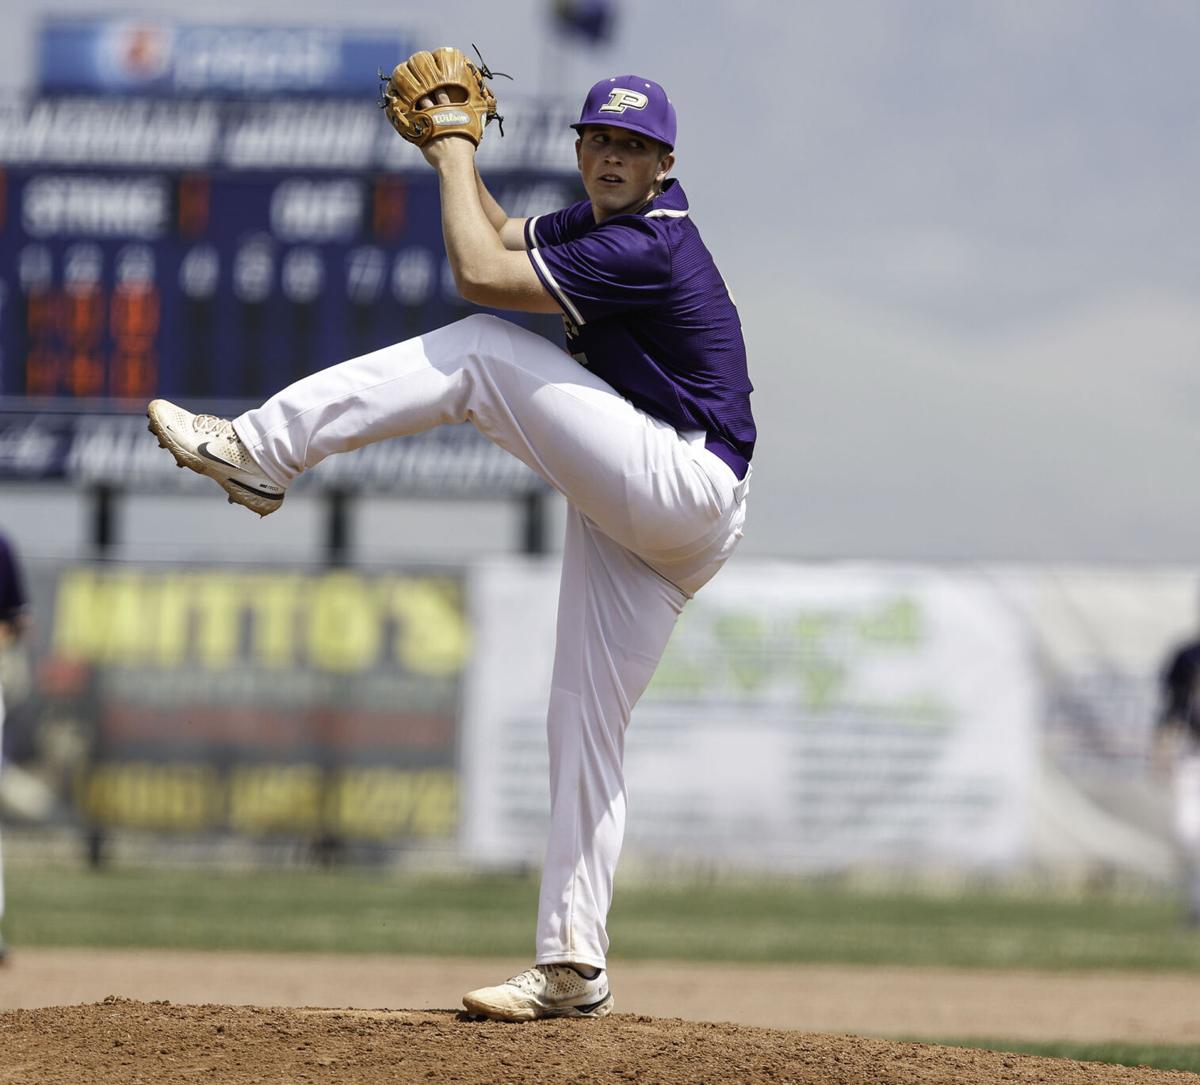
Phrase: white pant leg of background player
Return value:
(646, 490)
(1186, 787)
(615, 615)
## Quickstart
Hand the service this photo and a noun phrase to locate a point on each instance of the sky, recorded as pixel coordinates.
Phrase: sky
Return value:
(962, 239)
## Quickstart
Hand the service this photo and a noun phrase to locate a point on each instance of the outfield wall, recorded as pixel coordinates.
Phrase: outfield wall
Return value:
(806, 717)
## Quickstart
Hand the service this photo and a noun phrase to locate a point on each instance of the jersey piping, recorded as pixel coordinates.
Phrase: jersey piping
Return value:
(559, 294)
(530, 236)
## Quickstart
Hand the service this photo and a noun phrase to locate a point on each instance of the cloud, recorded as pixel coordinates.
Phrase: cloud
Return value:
(884, 436)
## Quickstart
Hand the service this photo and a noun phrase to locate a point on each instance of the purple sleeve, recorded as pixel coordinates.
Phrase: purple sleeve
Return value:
(559, 226)
(611, 270)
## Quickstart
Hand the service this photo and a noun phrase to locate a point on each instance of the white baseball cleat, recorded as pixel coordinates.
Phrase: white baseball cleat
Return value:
(209, 446)
(545, 990)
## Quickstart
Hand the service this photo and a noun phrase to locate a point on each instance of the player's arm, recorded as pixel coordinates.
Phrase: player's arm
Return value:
(511, 230)
(485, 271)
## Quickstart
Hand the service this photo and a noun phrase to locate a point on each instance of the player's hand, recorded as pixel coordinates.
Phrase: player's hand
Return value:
(435, 95)
(442, 150)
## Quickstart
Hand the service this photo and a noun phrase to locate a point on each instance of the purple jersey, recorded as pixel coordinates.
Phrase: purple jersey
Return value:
(647, 311)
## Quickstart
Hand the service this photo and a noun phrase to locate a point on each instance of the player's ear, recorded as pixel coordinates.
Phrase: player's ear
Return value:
(664, 166)
(578, 147)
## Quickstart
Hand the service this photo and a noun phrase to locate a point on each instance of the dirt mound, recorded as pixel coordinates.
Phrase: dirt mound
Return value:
(156, 1043)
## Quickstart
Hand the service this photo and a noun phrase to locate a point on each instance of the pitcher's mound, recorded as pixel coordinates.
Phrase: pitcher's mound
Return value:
(119, 1040)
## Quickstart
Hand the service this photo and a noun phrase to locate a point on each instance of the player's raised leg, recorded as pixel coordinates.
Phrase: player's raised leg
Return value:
(644, 484)
(209, 446)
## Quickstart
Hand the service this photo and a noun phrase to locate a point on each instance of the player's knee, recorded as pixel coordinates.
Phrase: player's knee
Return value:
(484, 321)
(488, 330)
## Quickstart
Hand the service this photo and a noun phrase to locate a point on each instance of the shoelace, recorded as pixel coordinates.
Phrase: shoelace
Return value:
(529, 980)
(210, 423)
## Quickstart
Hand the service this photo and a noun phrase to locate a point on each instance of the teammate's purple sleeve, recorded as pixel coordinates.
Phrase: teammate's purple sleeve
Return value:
(617, 267)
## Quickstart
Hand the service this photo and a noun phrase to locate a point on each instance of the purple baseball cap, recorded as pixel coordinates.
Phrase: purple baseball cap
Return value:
(633, 102)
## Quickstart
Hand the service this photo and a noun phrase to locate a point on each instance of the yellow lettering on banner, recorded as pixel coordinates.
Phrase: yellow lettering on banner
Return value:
(338, 622)
(152, 796)
(128, 622)
(78, 616)
(344, 632)
(380, 803)
(102, 616)
(433, 637)
(218, 603)
(274, 600)
(274, 797)
(171, 602)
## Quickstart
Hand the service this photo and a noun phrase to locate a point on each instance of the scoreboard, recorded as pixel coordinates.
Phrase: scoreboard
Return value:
(201, 254)
(214, 285)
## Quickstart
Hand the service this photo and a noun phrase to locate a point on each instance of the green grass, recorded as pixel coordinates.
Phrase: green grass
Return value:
(795, 922)
(342, 912)
(1156, 1056)
(356, 911)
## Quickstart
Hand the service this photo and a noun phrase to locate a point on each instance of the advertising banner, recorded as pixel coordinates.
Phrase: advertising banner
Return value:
(144, 55)
(803, 718)
(289, 703)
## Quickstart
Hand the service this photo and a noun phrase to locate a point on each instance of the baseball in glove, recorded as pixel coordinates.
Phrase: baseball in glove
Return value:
(431, 95)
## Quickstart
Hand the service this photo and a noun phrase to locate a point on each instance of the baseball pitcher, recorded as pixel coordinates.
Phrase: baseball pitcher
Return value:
(643, 424)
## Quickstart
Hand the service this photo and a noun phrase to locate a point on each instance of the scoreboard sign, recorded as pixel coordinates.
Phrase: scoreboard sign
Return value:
(134, 283)
(222, 249)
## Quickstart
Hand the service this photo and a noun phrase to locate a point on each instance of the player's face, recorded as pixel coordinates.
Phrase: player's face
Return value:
(621, 169)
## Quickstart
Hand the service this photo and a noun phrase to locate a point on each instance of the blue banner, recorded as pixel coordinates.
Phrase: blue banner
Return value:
(136, 55)
(102, 448)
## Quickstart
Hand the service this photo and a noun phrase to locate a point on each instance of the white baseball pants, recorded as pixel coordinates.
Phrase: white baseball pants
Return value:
(652, 516)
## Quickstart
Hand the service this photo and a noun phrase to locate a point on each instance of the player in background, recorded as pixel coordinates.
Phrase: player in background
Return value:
(643, 424)
(12, 621)
(1177, 753)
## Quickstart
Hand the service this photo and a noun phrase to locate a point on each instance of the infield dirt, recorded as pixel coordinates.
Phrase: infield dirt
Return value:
(157, 1043)
(136, 1038)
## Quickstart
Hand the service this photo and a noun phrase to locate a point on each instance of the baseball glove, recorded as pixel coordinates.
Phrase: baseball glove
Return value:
(470, 103)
